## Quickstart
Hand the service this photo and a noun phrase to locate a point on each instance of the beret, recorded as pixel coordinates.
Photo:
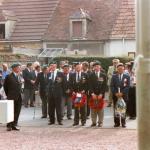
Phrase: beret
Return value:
(15, 65)
(65, 65)
(44, 66)
(29, 64)
(96, 63)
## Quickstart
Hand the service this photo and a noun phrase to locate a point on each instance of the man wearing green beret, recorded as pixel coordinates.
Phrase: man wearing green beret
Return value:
(13, 80)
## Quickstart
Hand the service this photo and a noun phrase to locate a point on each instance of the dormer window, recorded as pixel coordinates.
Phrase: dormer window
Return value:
(78, 24)
(77, 29)
(7, 23)
(2, 31)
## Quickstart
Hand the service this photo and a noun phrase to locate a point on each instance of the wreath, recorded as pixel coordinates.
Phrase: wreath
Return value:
(96, 104)
(79, 100)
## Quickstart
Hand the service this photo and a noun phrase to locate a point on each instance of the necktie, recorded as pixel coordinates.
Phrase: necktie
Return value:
(78, 77)
(53, 76)
(45, 76)
(97, 74)
(120, 77)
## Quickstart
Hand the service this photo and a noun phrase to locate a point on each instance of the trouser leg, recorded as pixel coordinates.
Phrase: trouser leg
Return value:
(88, 108)
(58, 102)
(51, 109)
(83, 114)
(17, 109)
(76, 115)
(26, 96)
(63, 106)
(44, 104)
(69, 107)
(93, 116)
(32, 93)
(100, 116)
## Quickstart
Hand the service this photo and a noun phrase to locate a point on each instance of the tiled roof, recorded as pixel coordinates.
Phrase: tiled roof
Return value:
(49, 19)
(124, 26)
(7, 15)
(33, 17)
(105, 15)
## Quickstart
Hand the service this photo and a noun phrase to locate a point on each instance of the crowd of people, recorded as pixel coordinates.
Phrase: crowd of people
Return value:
(81, 86)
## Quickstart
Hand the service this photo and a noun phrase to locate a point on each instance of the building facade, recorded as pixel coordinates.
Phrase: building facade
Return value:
(76, 27)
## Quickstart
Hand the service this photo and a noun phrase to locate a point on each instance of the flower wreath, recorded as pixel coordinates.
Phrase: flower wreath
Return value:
(96, 104)
(79, 101)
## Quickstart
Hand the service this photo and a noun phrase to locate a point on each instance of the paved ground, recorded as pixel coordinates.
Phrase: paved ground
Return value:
(35, 134)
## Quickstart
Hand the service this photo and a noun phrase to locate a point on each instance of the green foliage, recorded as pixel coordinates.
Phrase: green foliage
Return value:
(106, 62)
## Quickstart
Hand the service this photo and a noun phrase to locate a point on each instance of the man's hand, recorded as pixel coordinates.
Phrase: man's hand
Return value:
(119, 95)
(100, 96)
(32, 81)
(94, 96)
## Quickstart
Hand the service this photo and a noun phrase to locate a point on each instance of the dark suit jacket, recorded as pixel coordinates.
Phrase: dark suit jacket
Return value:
(98, 85)
(67, 85)
(81, 85)
(124, 84)
(42, 82)
(28, 76)
(12, 87)
(55, 88)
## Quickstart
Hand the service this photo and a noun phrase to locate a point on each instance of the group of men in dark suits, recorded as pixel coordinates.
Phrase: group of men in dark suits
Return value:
(76, 87)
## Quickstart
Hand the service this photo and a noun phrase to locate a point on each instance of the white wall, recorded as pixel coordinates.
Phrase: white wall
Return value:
(9, 27)
(121, 48)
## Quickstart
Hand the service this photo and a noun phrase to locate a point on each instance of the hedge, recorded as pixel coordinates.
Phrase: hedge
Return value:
(106, 62)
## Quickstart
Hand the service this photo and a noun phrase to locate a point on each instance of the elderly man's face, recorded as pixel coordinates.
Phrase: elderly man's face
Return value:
(97, 68)
(17, 69)
(78, 68)
(120, 69)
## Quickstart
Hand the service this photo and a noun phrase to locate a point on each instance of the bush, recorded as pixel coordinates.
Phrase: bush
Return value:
(106, 62)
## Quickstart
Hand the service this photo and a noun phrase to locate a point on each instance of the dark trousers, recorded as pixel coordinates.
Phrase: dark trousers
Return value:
(132, 102)
(54, 103)
(80, 111)
(88, 107)
(29, 95)
(117, 118)
(43, 97)
(17, 109)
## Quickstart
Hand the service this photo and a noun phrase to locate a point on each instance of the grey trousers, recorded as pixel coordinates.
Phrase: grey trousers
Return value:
(28, 95)
(99, 114)
(66, 100)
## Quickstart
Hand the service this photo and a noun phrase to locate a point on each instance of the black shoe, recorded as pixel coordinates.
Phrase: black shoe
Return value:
(60, 123)
(87, 117)
(31, 105)
(69, 118)
(51, 123)
(44, 117)
(16, 128)
(26, 106)
(124, 126)
(9, 128)
(116, 125)
(132, 118)
(83, 124)
(109, 105)
(75, 124)
(93, 125)
(100, 125)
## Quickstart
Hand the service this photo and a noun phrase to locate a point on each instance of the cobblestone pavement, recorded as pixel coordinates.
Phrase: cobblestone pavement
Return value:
(36, 134)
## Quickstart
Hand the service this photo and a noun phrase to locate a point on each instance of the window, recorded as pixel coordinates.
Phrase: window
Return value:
(77, 29)
(2, 31)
